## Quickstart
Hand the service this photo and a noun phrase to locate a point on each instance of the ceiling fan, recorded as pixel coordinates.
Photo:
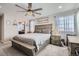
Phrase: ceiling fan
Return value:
(29, 10)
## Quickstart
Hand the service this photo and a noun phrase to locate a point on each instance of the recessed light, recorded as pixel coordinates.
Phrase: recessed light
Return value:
(59, 6)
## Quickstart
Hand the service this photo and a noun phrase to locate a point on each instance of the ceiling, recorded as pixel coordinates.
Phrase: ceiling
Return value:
(48, 8)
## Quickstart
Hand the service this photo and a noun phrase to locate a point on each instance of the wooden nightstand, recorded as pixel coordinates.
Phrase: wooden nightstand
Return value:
(56, 40)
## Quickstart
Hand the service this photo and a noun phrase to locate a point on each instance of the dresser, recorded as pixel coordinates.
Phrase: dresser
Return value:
(56, 39)
(73, 43)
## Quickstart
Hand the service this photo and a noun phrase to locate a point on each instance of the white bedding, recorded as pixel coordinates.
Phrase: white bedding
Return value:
(39, 38)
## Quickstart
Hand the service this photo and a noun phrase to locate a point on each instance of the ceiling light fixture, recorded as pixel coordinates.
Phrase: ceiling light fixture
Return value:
(60, 7)
(29, 10)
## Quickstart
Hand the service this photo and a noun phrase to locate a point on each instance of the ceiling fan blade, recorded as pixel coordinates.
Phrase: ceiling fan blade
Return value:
(29, 5)
(20, 7)
(33, 15)
(37, 9)
(26, 14)
(37, 13)
(21, 11)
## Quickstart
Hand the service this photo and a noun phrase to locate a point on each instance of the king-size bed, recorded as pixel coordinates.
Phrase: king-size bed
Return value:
(33, 43)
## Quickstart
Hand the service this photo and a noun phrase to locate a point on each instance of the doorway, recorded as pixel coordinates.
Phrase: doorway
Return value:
(1, 27)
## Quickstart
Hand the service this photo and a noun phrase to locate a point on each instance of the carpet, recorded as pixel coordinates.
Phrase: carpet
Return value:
(52, 50)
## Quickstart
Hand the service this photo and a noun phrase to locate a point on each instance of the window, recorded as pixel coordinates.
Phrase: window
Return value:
(20, 26)
(65, 23)
(32, 26)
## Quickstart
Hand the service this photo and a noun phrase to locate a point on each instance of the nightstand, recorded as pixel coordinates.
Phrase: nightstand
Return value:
(56, 40)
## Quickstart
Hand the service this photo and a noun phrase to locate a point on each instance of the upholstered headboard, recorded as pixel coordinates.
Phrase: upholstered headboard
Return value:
(47, 28)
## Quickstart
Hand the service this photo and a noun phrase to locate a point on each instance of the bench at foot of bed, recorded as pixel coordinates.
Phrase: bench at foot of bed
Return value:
(27, 49)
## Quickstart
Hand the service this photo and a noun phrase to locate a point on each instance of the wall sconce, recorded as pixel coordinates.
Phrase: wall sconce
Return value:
(15, 22)
(20, 21)
(8, 22)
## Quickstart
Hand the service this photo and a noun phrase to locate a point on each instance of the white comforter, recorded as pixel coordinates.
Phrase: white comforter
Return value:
(39, 38)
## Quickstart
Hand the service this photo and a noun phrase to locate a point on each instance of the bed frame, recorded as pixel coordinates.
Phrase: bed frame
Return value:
(31, 50)
(47, 28)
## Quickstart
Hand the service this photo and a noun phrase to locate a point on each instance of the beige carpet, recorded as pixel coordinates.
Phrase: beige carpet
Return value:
(50, 50)
(10, 51)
